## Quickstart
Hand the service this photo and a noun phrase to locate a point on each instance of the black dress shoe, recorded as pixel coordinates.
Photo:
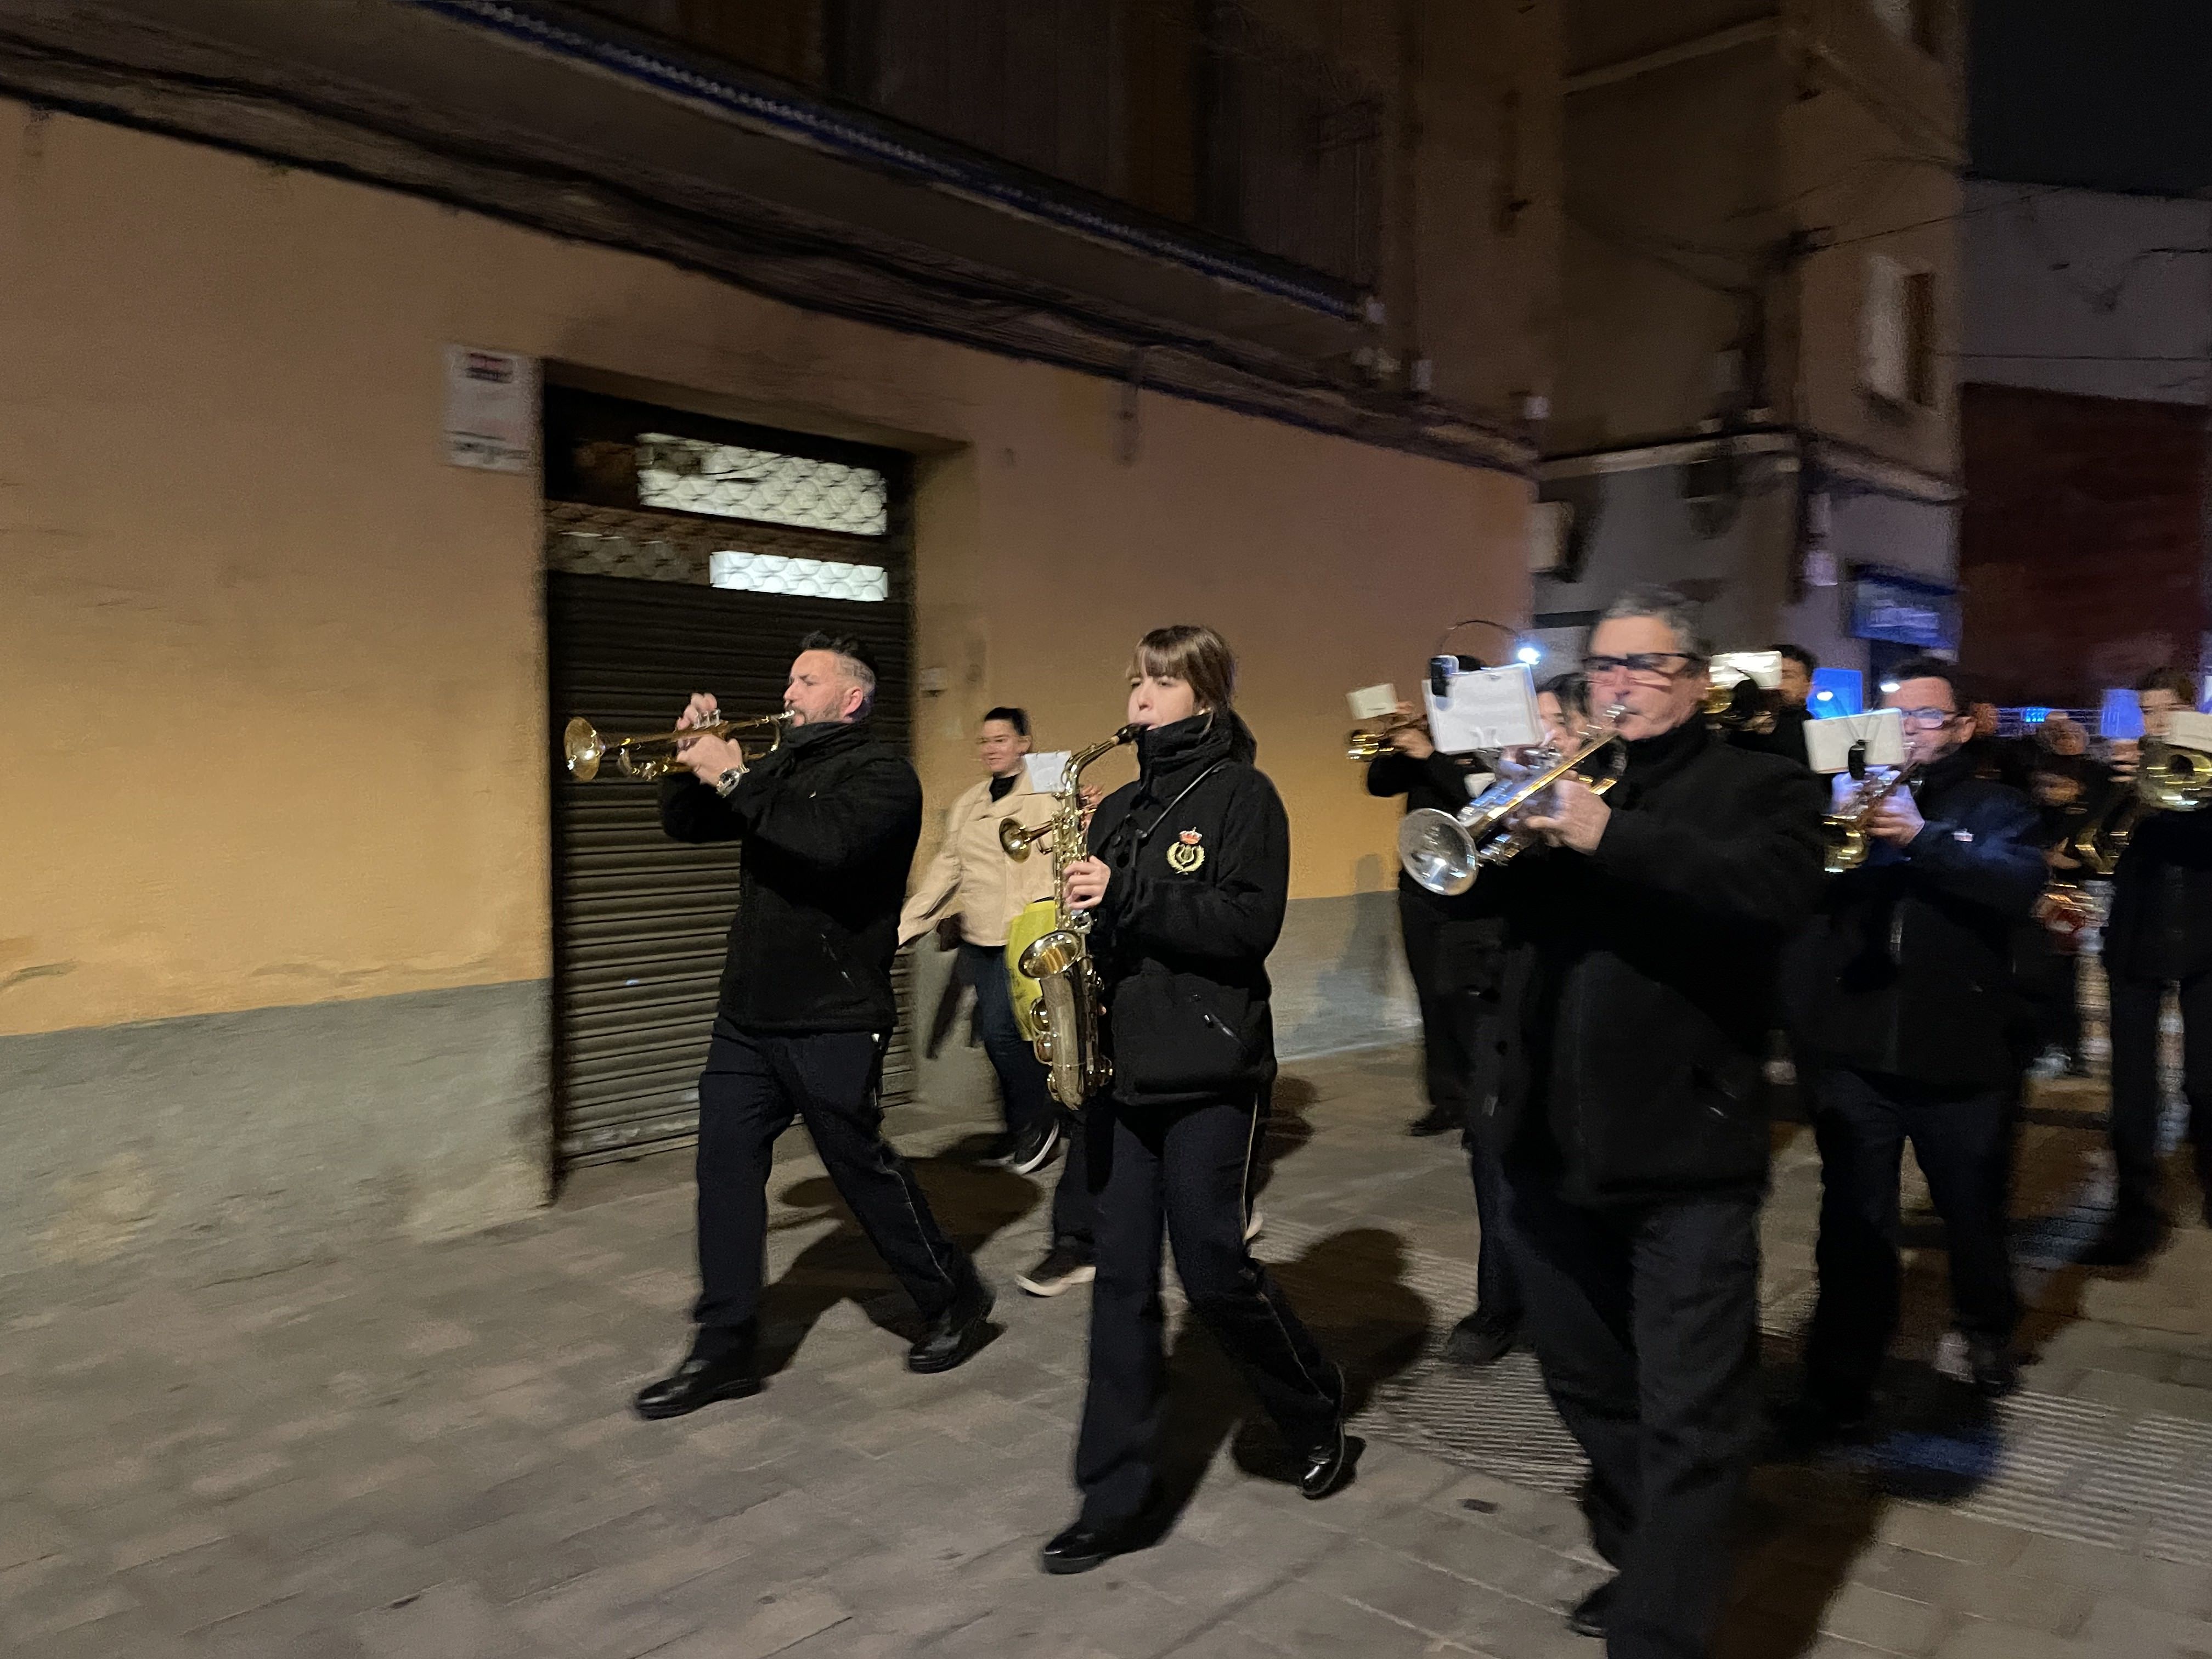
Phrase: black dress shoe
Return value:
(952, 1337)
(1439, 1120)
(1591, 1615)
(1812, 1425)
(2127, 1239)
(1995, 1368)
(1084, 1546)
(1330, 1467)
(700, 1382)
(1481, 1340)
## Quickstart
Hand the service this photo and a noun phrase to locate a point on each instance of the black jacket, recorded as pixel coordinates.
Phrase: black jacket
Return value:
(829, 822)
(1787, 740)
(1908, 968)
(1200, 851)
(1639, 978)
(2160, 925)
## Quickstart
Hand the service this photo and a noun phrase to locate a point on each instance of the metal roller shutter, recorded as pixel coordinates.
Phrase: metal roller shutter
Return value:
(640, 921)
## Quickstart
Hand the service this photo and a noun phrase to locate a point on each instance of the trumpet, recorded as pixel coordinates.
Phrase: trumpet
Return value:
(1445, 852)
(2169, 779)
(642, 755)
(1367, 744)
(1845, 832)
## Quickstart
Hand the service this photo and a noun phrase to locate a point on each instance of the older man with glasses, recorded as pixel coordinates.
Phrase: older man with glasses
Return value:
(1908, 1026)
(1642, 944)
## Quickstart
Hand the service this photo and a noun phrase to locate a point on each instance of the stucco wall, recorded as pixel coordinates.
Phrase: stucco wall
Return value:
(277, 670)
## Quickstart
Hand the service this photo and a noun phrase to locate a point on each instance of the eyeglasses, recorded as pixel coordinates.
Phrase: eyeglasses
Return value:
(1929, 719)
(1641, 664)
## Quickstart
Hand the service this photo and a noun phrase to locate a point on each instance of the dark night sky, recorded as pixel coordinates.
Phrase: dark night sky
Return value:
(2112, 94)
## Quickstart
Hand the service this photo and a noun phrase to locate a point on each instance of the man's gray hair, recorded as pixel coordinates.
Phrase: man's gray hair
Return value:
(1649, 599)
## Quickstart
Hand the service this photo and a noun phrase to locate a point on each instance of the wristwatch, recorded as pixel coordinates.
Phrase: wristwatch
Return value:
(729, 781)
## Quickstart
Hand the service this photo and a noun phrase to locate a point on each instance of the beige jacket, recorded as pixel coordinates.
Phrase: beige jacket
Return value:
(971, 875)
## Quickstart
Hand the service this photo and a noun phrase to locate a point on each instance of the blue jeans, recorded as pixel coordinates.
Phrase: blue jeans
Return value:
(1025, 1100)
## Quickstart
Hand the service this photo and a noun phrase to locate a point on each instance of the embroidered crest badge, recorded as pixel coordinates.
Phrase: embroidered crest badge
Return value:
(1184, 853)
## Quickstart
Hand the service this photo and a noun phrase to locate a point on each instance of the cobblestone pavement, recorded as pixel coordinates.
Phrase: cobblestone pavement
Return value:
(426, 1451)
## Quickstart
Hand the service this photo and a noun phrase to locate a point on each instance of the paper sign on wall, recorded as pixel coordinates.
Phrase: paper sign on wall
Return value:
(1487, 708)
(1829, 742)
(491, 408)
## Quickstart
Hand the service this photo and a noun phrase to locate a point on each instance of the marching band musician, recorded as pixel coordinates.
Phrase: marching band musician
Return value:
(1186, 882)
(1641, 945)
(2160, 934)
(829, 822)
(1446, 944)
(1452, 954)
(1907, 1026)
(974, 889)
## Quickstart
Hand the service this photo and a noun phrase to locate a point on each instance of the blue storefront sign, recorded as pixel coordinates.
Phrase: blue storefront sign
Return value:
(1904, 611)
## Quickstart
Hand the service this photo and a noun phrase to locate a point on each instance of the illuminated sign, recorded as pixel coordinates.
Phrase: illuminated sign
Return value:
(1904, 610)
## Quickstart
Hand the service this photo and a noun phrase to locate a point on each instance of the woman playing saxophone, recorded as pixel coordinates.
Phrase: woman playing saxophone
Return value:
(1186, 881)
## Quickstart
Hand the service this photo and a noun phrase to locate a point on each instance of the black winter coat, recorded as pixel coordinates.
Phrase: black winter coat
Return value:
(1639, 978)
(830, 823)
(1467, 937)
(1908, 968)
(2160, 925)
(1200, 848)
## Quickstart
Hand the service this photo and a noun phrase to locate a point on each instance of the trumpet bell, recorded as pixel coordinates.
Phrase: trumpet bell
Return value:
(584, 748)
(2175, 780)
(1437, 851)
(1016, 841)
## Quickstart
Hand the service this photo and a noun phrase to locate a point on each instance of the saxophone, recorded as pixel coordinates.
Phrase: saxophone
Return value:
(1055, 983)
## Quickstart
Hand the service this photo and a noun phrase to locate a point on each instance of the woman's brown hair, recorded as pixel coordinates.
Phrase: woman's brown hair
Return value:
(1194, 654)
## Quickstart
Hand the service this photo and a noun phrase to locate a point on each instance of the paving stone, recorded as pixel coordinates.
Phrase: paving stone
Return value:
(429, 1451)
(1982, 1638)
(1895, 1624)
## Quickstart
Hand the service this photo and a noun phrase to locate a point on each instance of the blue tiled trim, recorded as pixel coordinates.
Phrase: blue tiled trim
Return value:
(818, 125)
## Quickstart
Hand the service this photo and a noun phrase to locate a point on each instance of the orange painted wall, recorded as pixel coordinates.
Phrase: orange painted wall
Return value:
(276, 671)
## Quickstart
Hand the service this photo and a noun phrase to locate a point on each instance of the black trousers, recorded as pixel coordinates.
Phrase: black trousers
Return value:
(1447, 957)
(1181, 1170)
(1646, 1323)
(2052, 978)
(1453, 963)
(755, 1085)
(1023, 1098)
(1963, 1139)
(1074, 1205)
(2137, 1095)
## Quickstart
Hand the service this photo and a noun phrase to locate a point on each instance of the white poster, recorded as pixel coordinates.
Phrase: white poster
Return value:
(491, 408)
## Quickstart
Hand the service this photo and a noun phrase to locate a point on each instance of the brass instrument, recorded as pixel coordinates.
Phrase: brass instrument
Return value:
(1367, 745)
(1846, 833)
(1057, 996)
(638, 756)
(1445, 852)
(1741, 706)
(2168, 779)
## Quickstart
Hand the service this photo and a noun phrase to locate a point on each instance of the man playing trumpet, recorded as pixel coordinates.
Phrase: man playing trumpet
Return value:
(1641, 945)
(1907, 1026)
(830, 823)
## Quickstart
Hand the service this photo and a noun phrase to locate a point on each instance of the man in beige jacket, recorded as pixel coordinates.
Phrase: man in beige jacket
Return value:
(973, 886)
